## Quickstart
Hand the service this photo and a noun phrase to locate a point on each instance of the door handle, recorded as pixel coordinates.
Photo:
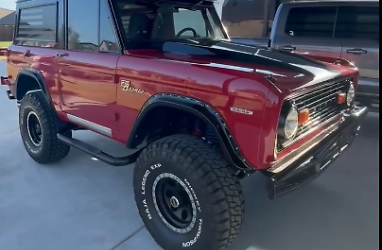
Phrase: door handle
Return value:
(60, 55)
(356, 51)
(28, 53)
(288, 48)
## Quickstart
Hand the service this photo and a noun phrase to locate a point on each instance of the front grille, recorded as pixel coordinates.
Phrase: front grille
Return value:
(322, 104)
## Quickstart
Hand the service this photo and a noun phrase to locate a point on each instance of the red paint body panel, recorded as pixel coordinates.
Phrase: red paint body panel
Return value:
(220, 88)
(40, 59)
(88, 87)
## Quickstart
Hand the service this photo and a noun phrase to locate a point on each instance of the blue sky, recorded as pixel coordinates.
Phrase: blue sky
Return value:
(8, 4)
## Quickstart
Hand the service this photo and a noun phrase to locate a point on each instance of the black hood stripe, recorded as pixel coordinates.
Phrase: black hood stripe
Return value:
(253, 55)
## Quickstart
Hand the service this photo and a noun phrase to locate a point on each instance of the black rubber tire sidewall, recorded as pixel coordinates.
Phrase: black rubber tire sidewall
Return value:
(51, 149)
(31, 148)
(198, 238)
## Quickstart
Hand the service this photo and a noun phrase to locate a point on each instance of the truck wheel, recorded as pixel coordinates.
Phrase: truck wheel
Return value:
(39, 126)
(187, 195)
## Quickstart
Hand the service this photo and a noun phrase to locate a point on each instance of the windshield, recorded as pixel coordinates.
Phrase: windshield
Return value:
(142, 23)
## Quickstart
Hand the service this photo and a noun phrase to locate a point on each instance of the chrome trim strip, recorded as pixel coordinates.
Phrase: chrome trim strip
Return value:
(309, 132)
(317, 140)
(90, 125)
(225, 66)
(218, 65)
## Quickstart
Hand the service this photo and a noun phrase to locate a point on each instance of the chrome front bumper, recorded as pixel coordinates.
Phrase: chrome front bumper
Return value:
(311, 161)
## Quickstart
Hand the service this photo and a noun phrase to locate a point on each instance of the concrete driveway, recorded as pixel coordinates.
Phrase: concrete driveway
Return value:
(80, 204)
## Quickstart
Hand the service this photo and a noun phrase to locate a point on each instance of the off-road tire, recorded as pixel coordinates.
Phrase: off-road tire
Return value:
(216, 191)
(50, 150)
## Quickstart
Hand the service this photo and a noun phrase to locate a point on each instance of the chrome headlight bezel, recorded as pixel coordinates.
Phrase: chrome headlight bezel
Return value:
(350, 94)
(288, 124)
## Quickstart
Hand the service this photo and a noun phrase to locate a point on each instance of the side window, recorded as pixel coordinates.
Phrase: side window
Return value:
(311, 22)
(37, 26)
(190, 19)
(136, 19)
(358, 22)
(83, 25)
(108, 41)
(244, 18)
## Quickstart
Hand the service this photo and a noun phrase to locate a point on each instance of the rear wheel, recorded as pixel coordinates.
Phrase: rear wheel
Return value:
(187, 195)
(39, 126)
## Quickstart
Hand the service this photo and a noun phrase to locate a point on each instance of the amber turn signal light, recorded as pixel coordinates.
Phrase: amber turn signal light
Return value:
(341, 99)
(303, 116)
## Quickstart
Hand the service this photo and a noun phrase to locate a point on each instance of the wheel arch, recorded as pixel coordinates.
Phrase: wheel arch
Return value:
(194, 107)
(30, 80)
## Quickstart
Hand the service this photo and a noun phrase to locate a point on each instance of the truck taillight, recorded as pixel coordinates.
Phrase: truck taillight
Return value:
(3, 81)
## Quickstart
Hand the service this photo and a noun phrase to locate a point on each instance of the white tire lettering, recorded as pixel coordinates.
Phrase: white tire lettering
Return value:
(29, 147)
(155, 166)
(143, 189)
(197, 236)
(27, 144)
(21, 117)
(144, 180)
(147, 209)
(200, 227)
(194, 194)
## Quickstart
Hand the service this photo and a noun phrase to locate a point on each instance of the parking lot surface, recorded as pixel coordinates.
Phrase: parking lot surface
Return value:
(81, 204)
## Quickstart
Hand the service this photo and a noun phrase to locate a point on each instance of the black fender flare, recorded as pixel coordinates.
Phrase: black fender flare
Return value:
(205, 112)
(37, 76)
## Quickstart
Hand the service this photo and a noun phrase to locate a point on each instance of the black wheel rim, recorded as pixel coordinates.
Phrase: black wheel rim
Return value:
(174, 203)
(34, 128)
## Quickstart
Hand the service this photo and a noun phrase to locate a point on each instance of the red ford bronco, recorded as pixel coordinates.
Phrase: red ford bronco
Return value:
(196, 112)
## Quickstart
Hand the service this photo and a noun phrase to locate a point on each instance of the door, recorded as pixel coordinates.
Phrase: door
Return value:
(307, 30)
(87, 68)
(358, 28)
(38, 40)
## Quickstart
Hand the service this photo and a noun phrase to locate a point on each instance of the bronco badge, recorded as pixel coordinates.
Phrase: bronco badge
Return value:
(126, 86)
(241, 111)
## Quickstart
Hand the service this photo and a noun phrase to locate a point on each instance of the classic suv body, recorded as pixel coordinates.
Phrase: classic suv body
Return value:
(86, 88)
(196, 112)
(89, 89)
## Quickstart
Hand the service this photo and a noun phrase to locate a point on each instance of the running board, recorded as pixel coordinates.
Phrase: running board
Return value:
(98, 153)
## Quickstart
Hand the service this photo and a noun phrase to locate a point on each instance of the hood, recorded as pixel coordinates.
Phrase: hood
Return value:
(289, 71)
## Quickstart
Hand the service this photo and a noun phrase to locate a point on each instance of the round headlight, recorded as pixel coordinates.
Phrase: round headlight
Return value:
(289, 126)
(350, 95)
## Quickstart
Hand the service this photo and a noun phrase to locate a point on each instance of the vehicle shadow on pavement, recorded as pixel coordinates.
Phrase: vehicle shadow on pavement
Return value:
(339, 210)
(336, 211)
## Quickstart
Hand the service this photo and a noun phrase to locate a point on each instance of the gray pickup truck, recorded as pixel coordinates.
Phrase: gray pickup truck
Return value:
(331, 29)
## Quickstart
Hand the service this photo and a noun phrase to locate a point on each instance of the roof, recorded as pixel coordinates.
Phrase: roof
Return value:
(335, 2)
(8, 19)
(5, 12)
(350, 2)
(345, 1)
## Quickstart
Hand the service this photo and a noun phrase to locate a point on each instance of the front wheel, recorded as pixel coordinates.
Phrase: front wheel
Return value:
(187, 196)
